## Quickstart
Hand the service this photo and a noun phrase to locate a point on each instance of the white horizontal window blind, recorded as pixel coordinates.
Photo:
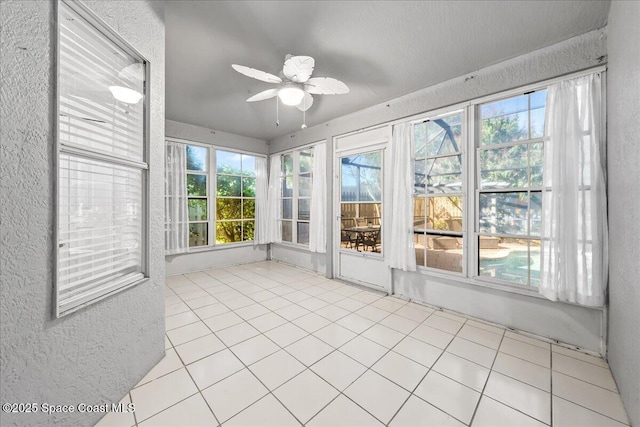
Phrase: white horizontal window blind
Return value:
(101, 161)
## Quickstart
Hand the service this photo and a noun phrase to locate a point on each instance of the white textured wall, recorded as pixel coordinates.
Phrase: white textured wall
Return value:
(98, 353)
(215, 137)
(623, 139)
(575, 325)
(299, 257)
(221, 256)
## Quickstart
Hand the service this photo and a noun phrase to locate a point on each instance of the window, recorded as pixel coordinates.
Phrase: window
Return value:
(439, 193)
(101, 208)
(198, 195)
(297, 183)
(221, 196)
(509, 184)
(235, 197)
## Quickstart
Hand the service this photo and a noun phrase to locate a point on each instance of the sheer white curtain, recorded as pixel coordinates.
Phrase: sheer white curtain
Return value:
(274, 233)
(262, 206)
(574, 223)
(401, 250)
(176, 215)
(318, 222)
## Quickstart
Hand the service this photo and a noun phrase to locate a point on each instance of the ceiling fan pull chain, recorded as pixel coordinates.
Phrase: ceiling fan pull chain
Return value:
(277, 112)
(304, 113)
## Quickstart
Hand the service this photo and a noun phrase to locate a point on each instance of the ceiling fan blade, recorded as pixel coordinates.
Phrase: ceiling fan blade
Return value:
(256, 74)
(306, 102)
(298, 69)
(326, 86)
(265, 94)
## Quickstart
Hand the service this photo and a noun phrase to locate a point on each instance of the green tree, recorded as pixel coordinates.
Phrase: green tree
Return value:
(235, 205)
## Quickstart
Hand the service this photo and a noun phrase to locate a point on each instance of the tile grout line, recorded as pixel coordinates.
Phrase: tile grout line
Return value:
(444, 350)
(344, 297)
(475, 411)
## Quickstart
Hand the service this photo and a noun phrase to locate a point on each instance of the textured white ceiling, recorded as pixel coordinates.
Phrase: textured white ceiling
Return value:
(380, 49)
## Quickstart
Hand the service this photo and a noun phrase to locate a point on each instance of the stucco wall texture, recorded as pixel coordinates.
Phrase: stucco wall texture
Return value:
(623, 154)
(98, 353)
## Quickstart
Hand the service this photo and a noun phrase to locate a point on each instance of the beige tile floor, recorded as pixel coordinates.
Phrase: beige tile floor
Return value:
(267, 344)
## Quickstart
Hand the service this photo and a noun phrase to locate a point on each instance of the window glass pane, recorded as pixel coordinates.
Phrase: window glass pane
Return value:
(444, 175)
(419, 242)
(287, 231)
(349, 212)
(419, 213)
(306, 160)
(287, 208)
(228, 186)
(197, 209)
(538, 101)
(197, 158)
(248, 165)
(505, 120)
(504, 167)
(362, 177)
(304, 209)
(510, 260)
(196, 185)
(535, 259)
(504, 213)
(228, 209)
(371, 211)
(100, 221)
(445, 213)
(287, 164)
(303, 232)
(228, 162)
(93, 70)
(444, 252)
(420, 180)
(357, 222)
(439, 136)
(248, 208)
(228, 232)
(248, 187)
(198, 234)
(535, 213)
(536, 152)
(287, 187)
(248, 230)
(305, 185)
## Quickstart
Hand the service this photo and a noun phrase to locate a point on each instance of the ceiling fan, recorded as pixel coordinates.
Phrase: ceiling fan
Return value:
(295, 84)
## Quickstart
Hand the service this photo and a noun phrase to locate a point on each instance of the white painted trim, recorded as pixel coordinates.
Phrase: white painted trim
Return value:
(301, 147)
(215, 147)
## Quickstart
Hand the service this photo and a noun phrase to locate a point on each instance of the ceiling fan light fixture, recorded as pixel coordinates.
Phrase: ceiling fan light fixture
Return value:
(291, 95)
(126, 95)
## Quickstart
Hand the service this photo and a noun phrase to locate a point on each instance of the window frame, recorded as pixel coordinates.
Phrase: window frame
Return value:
(463, 193)
(241, 197)
(207, 174)
(212, 191)
(472, 168)
(528, 189)
(102, 29)
(295, 197)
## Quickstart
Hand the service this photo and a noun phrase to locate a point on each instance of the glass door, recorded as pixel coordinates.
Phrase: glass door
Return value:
(359, 227)
(361, 202)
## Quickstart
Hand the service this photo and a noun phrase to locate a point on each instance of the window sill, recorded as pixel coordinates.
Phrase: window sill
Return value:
(200, 249)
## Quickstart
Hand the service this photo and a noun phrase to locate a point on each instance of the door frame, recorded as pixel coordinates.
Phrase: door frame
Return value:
(376, 139)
